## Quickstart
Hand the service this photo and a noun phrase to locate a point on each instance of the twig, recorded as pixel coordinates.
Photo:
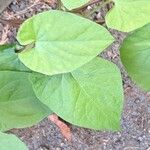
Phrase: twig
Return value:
(100, 21)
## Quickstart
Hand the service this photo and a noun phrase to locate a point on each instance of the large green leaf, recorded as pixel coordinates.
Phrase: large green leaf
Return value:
(72, 4)
(11, 142)
(128, 15)
(61, 42)
(135, 55)
(19, 106)
(90, 96)
(6, 46)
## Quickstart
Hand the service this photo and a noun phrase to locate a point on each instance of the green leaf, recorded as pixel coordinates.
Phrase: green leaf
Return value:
(135, 55)
(128, 15)
(19, 106)
(90, 96)
(11, 142)
(6, 46)
(72, 4)
(63, 42)
(9, 59)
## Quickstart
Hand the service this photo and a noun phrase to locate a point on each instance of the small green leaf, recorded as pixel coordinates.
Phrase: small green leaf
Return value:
(72, 4)
(62, 42)
(128, 15)
(90, 96)
(9, 59)
(19, 106)
(135, 55)
(11, 142)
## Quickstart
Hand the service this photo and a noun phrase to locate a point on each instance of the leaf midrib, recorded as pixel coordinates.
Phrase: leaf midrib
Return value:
(92, 100)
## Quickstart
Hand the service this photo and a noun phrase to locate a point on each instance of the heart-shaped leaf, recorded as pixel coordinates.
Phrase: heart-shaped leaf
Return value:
(72, 4)
(135, 55)
(9, 141)
(60, 42)
(19, 106)
(90, 96)
(128, 15)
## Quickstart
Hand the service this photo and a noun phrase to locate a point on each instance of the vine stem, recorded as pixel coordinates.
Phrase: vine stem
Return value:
(19, 48)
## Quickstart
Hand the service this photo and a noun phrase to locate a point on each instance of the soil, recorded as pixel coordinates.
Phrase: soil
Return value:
(135, 133)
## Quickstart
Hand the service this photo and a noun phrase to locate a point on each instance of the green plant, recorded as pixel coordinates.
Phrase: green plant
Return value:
(135, 55)
(74, 4)
(10, 141)
(54, 66)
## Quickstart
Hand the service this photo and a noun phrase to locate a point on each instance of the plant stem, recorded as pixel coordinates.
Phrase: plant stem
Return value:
(20, 48)
(60, 6)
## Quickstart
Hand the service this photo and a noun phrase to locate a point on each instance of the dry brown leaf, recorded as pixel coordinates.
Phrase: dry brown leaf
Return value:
(65, 130)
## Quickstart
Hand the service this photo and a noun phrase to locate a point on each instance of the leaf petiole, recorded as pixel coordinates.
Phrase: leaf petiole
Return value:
(19, 48)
